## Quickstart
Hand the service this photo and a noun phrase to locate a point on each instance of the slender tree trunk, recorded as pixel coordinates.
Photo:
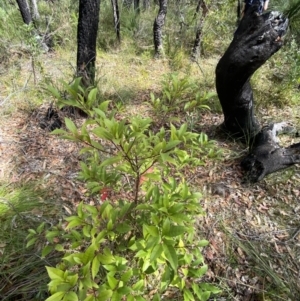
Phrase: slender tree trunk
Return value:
(34, 9)
(146, 4)
(256, 40)
(86, 39)
(136, 5)
(127, 3)
(116, 13)
(197, 43)
(25, 11)
(157, 27)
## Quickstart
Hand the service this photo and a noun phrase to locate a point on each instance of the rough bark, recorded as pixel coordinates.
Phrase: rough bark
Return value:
(34, 9)
(116, 14)
(265, 154)
(25, 11)
(127, 3)
(257, 38)
(196, 47)
(238, 11)
(136, 6)
(86, 40)
(157, 27)
(146, 4)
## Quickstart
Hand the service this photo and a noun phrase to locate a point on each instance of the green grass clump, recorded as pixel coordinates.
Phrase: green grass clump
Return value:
(23, 276)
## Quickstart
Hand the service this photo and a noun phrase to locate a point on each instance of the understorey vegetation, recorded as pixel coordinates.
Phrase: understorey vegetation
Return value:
(126, 187)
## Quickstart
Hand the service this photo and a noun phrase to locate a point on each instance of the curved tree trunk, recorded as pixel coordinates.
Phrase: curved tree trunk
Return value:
(116, 13)
(197, 42)
(25, 11)
(86, 39)
(256, 39)
(157, 27)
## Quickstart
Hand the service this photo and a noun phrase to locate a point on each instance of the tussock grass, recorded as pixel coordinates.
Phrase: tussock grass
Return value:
(22, 270)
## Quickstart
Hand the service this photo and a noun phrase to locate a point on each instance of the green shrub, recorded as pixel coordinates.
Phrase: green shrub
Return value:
(140, 241)
(180, 96)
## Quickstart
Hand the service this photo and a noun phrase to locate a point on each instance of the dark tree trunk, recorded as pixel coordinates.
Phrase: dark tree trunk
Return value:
(265, 154)
(256, 39)
(25, 11)
(136, 6)
(157, 27)
(127, 3)
(238, 11)
(197, 43)
(86, 39)
(116, 13)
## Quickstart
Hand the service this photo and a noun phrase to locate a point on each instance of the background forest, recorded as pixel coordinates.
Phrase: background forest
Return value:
(137, 195)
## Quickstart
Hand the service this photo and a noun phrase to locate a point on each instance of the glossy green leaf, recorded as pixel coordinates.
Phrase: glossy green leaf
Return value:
(110, 161)
(138, 285)
(31, 242)
(203, 243)
(171, 256)
(104, 295)
(55, 273)
(188, 296)
(152, 230)
(46, 250)
(176, 231)
(123, 228)
(71, 126)
(156, 252)
(166, 227)
(56, 297)
(209, 287)
(95, 267)
(126, 276)
(70, 296)
(74, 221)
(112, 281)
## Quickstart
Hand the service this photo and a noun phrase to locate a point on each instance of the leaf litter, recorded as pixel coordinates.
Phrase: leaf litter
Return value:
(253, 229)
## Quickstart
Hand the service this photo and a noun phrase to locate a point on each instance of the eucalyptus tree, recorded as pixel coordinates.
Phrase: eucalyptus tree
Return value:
(25, 11)
(116, 14)
(204, 10)
(257, 38)
(158, 26)
(87, 30)
(29, 11)
(34, 10)
(136, 5)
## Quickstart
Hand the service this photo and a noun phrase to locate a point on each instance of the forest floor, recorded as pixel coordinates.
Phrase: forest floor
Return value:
(253, 229)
